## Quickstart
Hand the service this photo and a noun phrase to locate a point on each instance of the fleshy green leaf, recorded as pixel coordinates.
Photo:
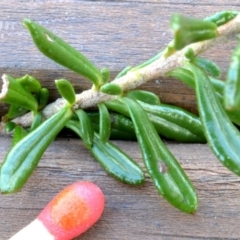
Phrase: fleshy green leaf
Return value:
(61, 52)
(190, 30)
(43, 97)
(114, 161)
(144, 96)
(9, 126)
(66, 90)
(13, 112)
(37, 121)
(104, 123)
(30, 83)
(86, 128)
(208, 66)
(232, 84)
(14, 93)
(111, 89)
(24, 156)
(221, 18)
(161, 165)
(105, 75)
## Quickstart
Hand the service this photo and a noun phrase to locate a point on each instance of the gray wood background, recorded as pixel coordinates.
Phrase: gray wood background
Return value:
(115, 34)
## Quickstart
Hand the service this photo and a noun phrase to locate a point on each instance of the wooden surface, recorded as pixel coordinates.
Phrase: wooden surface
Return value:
(130, 212)
(115, 34)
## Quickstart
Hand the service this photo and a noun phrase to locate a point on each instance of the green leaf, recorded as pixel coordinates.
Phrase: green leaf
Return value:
(175, 123)
(190, 30)
(232, 84)
(166, 173)
(24, 156)
(19, 134)
(121, 126)
(62, 53)
(14, 93)
(189, 53)
(114, 161)
(105, 75)
(30, 83)
(169, 121)
(43, 97)
(222, 136)
(208, 66)
(104, 123)
(186, 76)
(66, 90)
(9, 126)
(85, 127)
(221, 18)
(111, 89)
(37, 121)
(117, 106)
(13, 112)
(144, 96)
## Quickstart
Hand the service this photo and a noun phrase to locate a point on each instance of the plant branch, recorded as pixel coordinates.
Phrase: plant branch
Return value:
(133, 79)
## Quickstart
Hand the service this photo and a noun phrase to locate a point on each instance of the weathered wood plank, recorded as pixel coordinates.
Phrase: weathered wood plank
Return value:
(115, 34)
(112, 34)
(131, 212)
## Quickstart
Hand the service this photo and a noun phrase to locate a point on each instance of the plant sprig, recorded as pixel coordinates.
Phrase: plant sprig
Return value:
(144, 110)
(133, 79)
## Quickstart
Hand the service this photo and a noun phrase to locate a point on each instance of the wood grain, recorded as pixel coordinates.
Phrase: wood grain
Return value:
(130, 212)
(112, 34)
(115, 34)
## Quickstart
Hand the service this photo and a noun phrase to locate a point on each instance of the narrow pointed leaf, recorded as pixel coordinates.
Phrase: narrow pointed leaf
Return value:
(61, 52)
(105, 75)
(111, 89)
(43, 97)
(19, 134)
(104, 123)
(13, 112)
(232, 85)
(144, 96)
(30, 83)
(208, 66)
(169, 178)
(121, 126)
(14, 93)
(37, 121)
(169, 121)
(66, 90)
(114, 161)
(222, 136)
(86, 128)
(221, 18)
(186, 76)
(190, 30)
(23, 158)
(9, 126)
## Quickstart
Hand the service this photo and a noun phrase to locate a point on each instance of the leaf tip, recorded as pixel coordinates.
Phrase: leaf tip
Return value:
(26, 22)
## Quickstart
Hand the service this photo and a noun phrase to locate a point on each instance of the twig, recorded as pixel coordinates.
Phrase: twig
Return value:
(133, 79)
